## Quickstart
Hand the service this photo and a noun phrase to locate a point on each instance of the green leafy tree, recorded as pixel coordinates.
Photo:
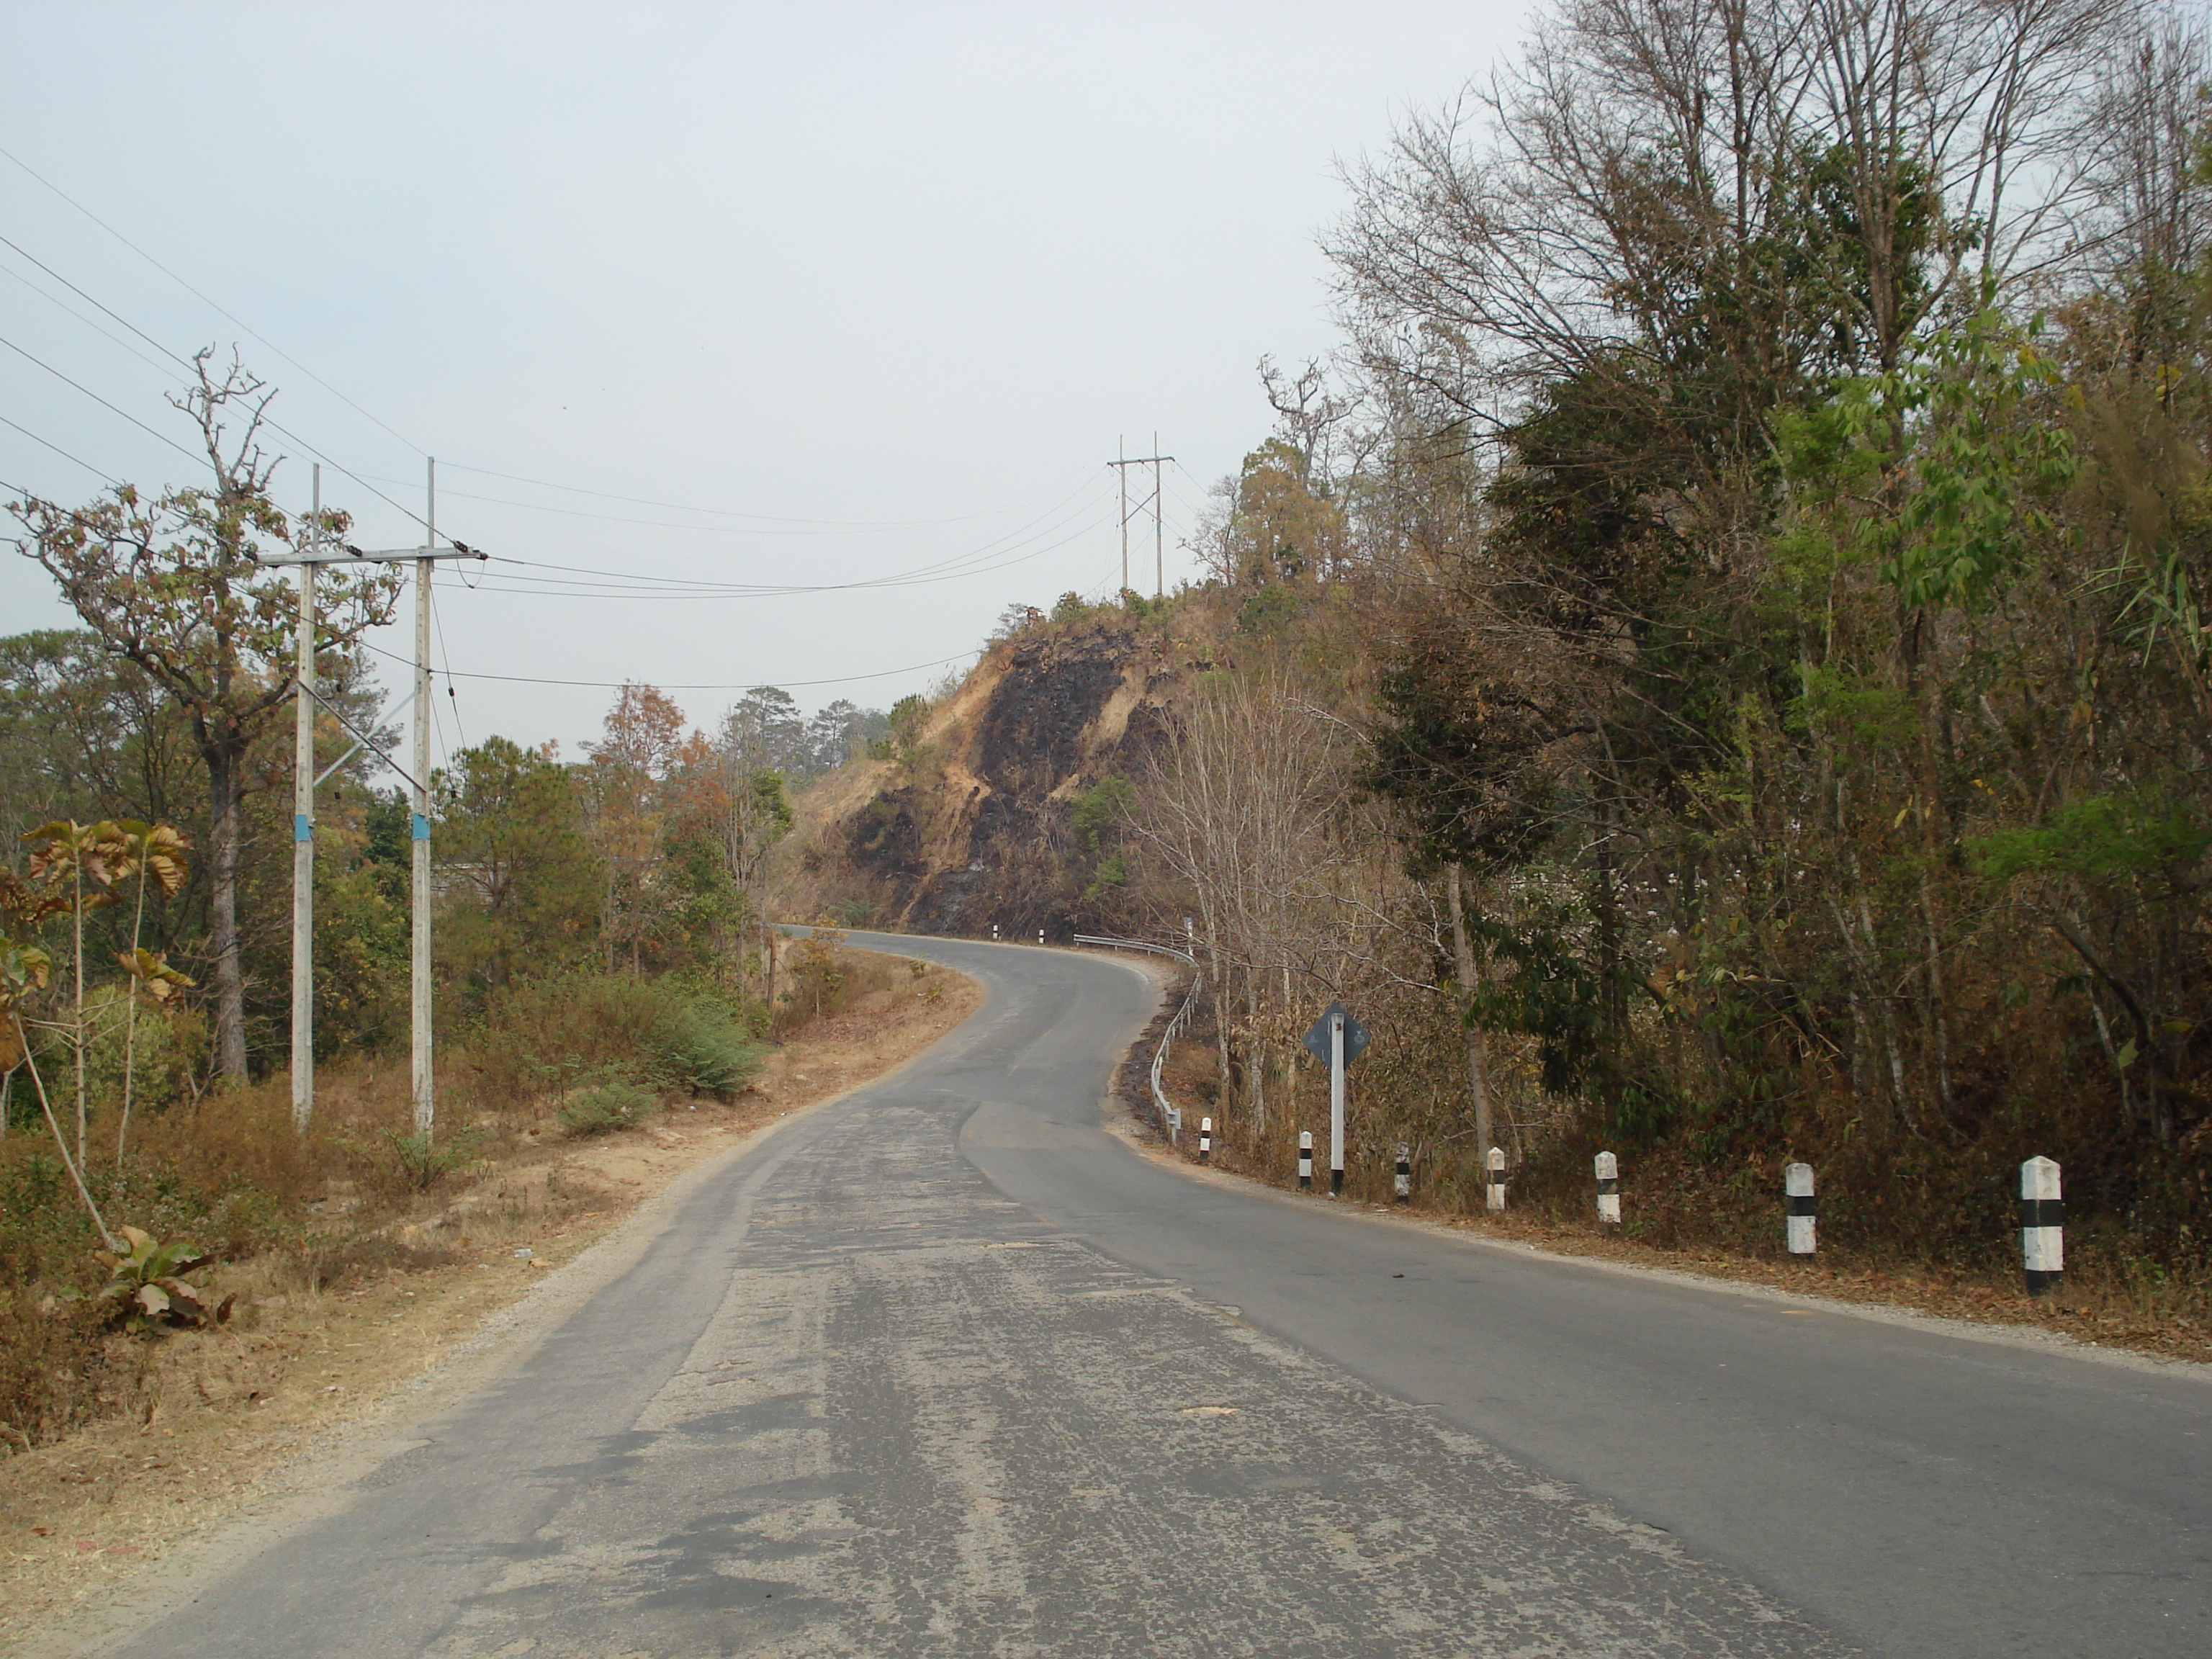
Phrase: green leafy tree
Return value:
(523, 884)
(902, 741)
(1096, 819)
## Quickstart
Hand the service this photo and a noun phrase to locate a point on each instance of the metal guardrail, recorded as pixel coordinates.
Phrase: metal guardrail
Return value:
(1137, 944)
(1170, 1114)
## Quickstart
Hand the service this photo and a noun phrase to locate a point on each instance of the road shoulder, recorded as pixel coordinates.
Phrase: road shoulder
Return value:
(1857, 1297)
(214, 1478)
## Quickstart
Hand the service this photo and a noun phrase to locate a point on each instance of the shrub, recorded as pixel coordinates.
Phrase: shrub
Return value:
(818, 972)
(423, 1162)
(549, 1037)
(540, 1037)
(699, 1045)
(612, 1102)
(54, 1366)
(149, 1287)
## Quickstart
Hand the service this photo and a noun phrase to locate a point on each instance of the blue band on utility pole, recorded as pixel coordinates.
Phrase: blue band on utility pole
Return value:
(421, 825)
(302, 828)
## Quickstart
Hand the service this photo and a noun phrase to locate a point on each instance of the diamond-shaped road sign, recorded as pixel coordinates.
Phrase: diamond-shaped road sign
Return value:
(1356, 1038)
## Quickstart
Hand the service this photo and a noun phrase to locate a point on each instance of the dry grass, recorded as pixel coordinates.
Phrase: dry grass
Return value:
(2171, 1321)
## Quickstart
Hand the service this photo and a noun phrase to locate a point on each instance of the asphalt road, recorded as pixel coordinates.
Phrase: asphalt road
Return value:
(946, 1369)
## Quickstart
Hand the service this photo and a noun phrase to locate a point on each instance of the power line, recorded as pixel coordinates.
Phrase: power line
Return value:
(101, 401)
(183, 362)
(70, 310)
(446, 657)
(204, 300)
(198, 459)
(822, 527)
(552, 588)
(57, 450)
(649, 587)
(745, 685)
(716, 512)
(943, 569)
(825, 527)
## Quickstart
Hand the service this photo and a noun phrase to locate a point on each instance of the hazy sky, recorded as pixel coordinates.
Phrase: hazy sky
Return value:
(737, 296)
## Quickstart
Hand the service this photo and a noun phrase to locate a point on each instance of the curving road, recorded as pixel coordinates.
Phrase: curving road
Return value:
(946, 1369)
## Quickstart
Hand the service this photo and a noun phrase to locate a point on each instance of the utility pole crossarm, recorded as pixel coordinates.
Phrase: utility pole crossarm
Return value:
(346, 555)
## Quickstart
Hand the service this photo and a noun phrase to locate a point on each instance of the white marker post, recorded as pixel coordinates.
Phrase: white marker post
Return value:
(1206, 1140)
(1608, 1189)
(1401, 1185)
(1040, 936)
(2042, 1227)
(1336, 1103)
(1497, 1200)
(1799, 1208)
(994, 933)
(1305, 1158)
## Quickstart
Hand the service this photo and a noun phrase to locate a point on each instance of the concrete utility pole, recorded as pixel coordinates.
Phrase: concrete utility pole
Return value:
(418, 821)
(303, 799)
(1159, 523)
(1121, 472)
(303, 833)
(1155, 506)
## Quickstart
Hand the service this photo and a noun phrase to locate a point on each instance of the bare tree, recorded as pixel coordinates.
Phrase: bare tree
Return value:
(1781, 186)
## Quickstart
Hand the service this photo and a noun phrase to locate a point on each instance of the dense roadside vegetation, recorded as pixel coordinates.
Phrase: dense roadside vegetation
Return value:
(1717, 670)
(600, 942)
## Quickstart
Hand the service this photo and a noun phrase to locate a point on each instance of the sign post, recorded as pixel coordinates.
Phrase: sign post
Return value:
(1339, 1039)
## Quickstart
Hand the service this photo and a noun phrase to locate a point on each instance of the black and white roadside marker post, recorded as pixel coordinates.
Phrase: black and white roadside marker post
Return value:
(2042, 1227)
(1206, 1140)
(1496, 1197)
(1608, 1189)
(1401, 1180)
(1040, 936)
(1305, 1158)
(1799, 1209)
(994, 933)
(1335, 1102)
(1336, 1039)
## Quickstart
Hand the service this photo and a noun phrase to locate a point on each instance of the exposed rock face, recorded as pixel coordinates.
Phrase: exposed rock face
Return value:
(974, 828)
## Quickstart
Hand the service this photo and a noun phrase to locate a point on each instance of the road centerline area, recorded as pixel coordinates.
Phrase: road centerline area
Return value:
(862, 1397)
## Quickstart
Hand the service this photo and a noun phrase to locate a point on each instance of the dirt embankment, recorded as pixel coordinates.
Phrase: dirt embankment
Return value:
(234, 1409)
(972, 826)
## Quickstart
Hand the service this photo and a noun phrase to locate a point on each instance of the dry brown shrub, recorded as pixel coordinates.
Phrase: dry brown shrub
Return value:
(538, 1038)
(61, 1366)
